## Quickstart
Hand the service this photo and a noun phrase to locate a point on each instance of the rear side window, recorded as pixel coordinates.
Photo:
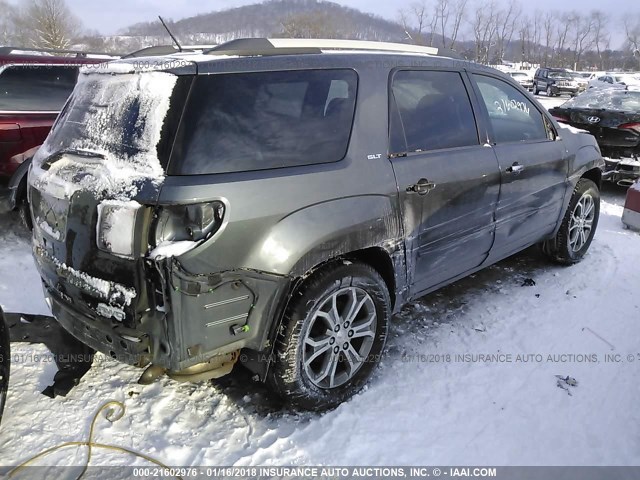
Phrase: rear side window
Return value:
(256, 121)
(36, 88)
(432, 111)
(512, 116)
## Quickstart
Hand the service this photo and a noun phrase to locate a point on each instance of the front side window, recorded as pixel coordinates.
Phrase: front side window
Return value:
(256, 121)
(513, 117)
(430, 110)
(36, 88)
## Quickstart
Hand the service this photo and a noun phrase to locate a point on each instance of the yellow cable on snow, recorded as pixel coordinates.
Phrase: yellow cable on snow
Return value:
(111, 416)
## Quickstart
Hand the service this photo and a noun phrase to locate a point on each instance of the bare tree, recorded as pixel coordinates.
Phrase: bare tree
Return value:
(416, 22)
(483, 25)
(632, 31)
(506, 21)
(49, 23)
(563, 28)
(442, 18)
(459, 9)
(549, 28)
(583, 39)
(9, 32)
(530, 32)
(601, 37)
(6, 32)
(309, 25)
(448, 18)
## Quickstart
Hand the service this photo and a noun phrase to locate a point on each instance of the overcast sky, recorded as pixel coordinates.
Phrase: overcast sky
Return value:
(112, 15)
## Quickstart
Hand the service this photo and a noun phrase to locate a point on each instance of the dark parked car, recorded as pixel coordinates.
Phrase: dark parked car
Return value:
(613, 118)
(556, 81)
(276, 201)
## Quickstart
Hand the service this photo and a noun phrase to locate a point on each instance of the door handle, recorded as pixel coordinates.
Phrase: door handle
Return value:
(516, 168)
(423, 187)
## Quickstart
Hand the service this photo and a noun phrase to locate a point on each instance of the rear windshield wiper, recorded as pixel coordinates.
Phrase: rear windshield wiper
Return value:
(81, 152)
(46, 163)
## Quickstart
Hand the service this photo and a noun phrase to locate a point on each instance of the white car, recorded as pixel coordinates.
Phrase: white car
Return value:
(615, 80)
(523, 78)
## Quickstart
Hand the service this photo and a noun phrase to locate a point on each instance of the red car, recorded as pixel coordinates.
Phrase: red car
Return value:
(34, 85)
(631, 213)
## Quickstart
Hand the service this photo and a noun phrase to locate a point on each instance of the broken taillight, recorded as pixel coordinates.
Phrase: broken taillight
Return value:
(194, 222)
(116, 227)
(634, 126)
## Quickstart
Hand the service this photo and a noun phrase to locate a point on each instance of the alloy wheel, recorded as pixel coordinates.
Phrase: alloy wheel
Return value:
(581, 223)
(339, 337)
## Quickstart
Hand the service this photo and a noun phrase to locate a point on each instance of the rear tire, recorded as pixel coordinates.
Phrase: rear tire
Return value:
(25, 214)
(578, 225)
(535, 89)
(332, 336)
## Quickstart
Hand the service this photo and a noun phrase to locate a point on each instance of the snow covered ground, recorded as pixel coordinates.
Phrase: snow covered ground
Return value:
(433, 401)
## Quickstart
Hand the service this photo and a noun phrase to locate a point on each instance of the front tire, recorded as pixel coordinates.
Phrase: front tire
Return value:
(549, 92)
(332, 336)
(578, 225)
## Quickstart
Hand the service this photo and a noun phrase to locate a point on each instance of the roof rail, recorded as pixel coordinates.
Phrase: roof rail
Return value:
(294, 46)
(258, 46)
(159, 50)
(27, 50)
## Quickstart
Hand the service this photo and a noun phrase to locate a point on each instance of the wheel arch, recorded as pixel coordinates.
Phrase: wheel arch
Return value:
(595, 175)
(380, 260)
(389, 265)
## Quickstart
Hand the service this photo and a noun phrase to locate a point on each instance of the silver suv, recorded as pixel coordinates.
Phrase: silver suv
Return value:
(274, 202)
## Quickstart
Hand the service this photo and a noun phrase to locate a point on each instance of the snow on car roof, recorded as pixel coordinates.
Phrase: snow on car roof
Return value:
(608, 98)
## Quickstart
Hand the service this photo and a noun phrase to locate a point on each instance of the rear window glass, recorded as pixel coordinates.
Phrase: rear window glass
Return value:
(120, 117)
(610, 99)
(256, 121)
(36, 88)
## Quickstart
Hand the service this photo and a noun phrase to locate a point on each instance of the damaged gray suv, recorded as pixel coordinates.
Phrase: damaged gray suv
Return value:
(274, 202)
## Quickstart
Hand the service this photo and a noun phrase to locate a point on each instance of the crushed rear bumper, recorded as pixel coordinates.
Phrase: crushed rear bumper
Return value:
(188, 320)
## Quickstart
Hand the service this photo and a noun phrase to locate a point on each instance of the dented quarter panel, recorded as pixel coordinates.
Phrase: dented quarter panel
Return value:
(583, 155)
(333, 201)
(264, 245)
